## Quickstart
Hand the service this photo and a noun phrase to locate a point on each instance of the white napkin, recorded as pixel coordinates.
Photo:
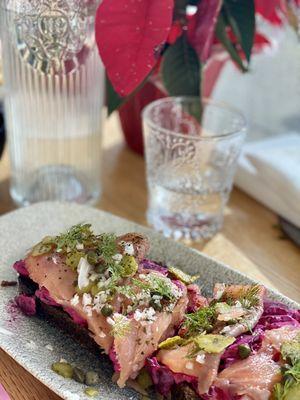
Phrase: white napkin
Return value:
(269, 171)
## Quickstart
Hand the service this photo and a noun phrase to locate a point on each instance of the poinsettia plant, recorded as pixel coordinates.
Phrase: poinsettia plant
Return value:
(173, 40)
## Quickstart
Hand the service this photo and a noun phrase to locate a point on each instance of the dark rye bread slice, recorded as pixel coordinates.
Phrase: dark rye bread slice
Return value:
(60, 319)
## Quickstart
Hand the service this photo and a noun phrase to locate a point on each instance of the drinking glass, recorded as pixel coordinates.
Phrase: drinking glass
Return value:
(190, 166)
(54, 90)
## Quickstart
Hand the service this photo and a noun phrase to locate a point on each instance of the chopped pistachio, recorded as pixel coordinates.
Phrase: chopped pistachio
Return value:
(63, 368)
(128, 266)
(182, 276)
(91, 392)
(72, 259)
(172, 342)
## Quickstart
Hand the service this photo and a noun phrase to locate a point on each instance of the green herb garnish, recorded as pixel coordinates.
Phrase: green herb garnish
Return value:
(289, 387)
(158, 285)
(247, 297)
(121, 326)
(202, 320)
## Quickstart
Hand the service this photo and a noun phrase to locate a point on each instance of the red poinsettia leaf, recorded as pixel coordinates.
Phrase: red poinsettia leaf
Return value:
(130, 35)
(270, 10)
(201, 27)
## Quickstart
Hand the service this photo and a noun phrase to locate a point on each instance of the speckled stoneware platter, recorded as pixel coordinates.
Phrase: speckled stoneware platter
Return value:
(27, 339)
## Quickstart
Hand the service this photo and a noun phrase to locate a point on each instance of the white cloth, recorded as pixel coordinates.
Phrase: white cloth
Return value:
(269, 171)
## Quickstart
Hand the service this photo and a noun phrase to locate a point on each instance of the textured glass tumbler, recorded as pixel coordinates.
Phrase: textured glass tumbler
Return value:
(190, 167)
(54, 90)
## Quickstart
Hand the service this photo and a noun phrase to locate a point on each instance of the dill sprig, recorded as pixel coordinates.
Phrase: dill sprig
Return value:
(107, 246)
(77, 234)
(248, 297)
(202, 320)
(120, 326)
(155, 284)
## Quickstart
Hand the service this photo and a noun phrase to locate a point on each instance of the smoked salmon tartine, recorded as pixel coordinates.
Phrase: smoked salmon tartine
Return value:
(154, 324)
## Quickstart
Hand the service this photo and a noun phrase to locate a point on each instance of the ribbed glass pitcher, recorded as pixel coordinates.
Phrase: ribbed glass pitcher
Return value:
(54, 91)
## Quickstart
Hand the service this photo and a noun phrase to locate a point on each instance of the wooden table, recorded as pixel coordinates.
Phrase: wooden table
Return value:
(249, 241)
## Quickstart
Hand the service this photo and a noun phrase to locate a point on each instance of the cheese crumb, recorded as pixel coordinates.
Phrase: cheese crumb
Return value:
(200, 358)
(189, 365)
(75, 300)
(148, 314)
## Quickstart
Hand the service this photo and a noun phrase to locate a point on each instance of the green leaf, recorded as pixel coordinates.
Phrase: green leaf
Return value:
(181, 69)
(240, 15)
(113, 100)
(228, 45)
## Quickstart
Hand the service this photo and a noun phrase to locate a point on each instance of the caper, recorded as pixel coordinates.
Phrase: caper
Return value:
(106, 310)
(78, 375)
(156, 305)
(100, 268)
(244, 351)
(62, 368)
(91, 392)
(92, 257)
(92, 378)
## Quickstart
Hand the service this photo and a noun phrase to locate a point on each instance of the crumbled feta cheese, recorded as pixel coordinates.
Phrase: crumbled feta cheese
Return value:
(200, 358)
(94, 276)
(75, 300)
(148, 314)
(88, 310)
(79, 246)
(129, 249)
(86, 299)
(189, 365)
(83, 269)
(49, 347)
(117, 257)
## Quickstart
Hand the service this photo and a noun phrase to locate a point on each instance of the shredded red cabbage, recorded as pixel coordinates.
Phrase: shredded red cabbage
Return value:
(163, 378)
(26, 304)
(113, 356)
(149, 264)
(20, 267)
(45, 297)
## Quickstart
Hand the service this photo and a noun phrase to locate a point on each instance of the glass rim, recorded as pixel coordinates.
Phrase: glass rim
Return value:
(218, 104)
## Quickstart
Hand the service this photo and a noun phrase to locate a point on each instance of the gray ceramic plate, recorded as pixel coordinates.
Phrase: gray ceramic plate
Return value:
(27, 339)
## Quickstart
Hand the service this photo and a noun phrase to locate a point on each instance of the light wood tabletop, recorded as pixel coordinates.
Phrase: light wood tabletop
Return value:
(249, 240)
